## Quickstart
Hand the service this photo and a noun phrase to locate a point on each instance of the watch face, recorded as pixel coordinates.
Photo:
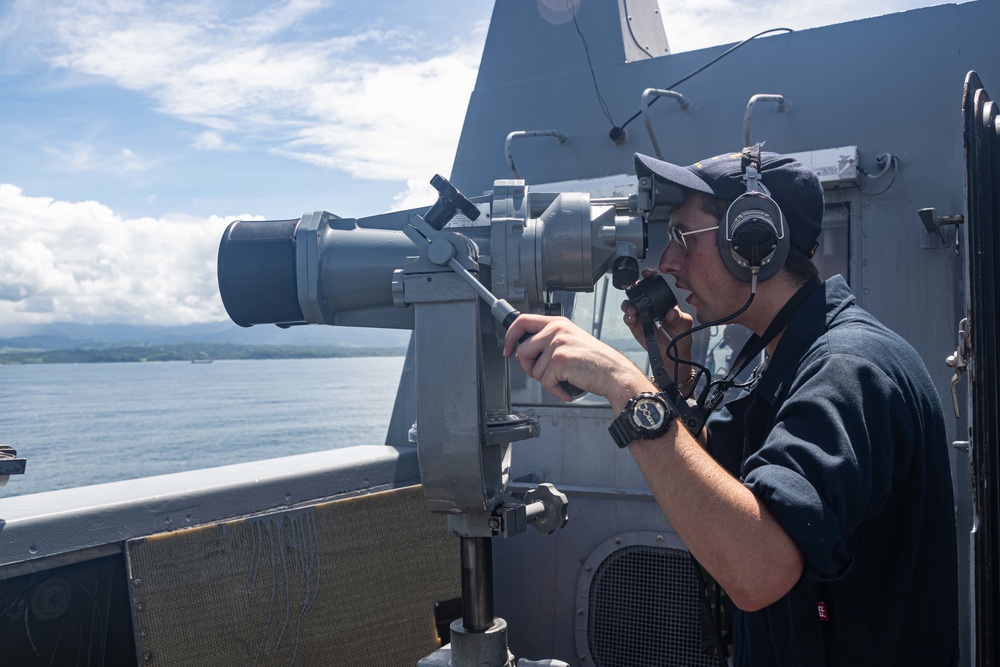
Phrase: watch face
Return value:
(649, 414)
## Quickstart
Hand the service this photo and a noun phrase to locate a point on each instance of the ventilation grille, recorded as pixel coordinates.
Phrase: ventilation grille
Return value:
(644, 610)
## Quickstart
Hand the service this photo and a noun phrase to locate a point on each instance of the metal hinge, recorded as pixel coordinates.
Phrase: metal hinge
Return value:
(958, 361)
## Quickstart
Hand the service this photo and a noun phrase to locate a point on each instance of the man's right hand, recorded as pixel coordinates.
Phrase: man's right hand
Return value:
(558, 351)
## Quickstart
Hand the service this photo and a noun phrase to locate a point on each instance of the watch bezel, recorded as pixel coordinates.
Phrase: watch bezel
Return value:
(644, 399)
(625, 428)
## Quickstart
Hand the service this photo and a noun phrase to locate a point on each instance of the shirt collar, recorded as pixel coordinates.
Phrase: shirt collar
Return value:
(810, 321)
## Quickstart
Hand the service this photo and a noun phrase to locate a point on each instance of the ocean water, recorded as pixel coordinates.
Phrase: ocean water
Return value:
(80, 424)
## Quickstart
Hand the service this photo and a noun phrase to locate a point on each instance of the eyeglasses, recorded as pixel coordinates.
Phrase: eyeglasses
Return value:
(677, 236)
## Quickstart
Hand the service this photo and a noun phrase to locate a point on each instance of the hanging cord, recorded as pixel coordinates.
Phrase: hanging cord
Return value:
(590, 64)
(700, 369)
(755, 346)
(616, 131)
(628, 22)
(692, 415)
(702, 69)
(887, 161)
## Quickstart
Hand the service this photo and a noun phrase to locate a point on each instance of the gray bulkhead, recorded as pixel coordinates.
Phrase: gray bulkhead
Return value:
(891, 84)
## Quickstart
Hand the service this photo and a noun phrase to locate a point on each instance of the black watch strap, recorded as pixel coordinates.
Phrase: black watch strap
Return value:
(624, 429)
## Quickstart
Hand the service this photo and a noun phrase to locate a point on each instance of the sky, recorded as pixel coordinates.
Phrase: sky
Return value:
(133, 131)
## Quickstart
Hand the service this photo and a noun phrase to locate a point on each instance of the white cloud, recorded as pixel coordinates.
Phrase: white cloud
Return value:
(419, 193)
(696, 24)
(80, 157)
(212, 141)
(79, 261)
(371, 104)
(389, 115)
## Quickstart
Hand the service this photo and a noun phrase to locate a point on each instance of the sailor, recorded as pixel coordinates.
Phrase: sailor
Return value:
(821, 498)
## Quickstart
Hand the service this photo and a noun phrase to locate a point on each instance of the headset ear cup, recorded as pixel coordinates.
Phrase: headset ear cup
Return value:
(752, 235)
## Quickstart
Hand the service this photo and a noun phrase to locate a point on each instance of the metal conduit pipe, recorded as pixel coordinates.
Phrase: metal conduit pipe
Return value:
(655, 93)
(764, 97)
(517, 134)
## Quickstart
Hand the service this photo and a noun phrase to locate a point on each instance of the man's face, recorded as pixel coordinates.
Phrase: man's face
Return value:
(715, 293)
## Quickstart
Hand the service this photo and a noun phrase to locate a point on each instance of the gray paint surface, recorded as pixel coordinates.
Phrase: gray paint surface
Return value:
(46, 524)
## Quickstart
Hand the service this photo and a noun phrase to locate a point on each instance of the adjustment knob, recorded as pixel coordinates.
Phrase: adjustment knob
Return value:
(450, 201)
(546, 508)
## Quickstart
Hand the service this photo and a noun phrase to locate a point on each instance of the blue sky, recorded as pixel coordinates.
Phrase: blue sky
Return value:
(132, 131)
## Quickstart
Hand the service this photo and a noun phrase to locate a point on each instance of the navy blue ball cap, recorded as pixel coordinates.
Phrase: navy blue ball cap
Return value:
(793, 186)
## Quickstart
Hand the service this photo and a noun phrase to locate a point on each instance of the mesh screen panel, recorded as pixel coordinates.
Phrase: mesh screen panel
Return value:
(320, 585)
(644, 610)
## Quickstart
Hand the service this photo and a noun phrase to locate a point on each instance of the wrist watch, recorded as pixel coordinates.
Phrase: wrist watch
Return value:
(646, 416)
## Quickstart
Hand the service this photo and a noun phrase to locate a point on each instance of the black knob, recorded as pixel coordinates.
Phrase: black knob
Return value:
(449, 202)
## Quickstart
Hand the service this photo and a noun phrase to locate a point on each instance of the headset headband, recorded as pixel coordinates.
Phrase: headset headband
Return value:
(751, 170)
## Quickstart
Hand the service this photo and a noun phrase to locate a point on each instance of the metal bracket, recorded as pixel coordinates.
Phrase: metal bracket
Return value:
(657, 93)
(958, 361)
(544, 507)
(764, 97)
(934, 222)
(508, 152)
(508, 519)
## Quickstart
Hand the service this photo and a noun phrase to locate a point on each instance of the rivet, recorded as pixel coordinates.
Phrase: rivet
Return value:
(588, 569)
(147, 657)
(659, 538)
(579, 612)
(33, 549)
(140, 606)
(618, 540)
(137, 581)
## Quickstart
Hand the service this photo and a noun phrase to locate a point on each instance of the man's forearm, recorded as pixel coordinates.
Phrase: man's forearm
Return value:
(726, 527)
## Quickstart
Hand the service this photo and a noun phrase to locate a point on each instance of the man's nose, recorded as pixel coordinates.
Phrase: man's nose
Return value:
(671, 259)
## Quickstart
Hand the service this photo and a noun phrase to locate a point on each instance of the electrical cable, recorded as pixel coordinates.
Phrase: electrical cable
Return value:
(590, 64)
(617, 130)
(700, 369)
(703, 68)
(886, 158)
(628, 22)
(890, 161)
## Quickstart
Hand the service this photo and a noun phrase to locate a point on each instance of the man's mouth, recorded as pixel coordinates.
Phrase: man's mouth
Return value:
(690, 295)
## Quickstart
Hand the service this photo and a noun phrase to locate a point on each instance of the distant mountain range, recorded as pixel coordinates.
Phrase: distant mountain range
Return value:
(60, 336)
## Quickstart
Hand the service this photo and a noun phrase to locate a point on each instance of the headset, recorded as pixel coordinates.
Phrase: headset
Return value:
(753, 239)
